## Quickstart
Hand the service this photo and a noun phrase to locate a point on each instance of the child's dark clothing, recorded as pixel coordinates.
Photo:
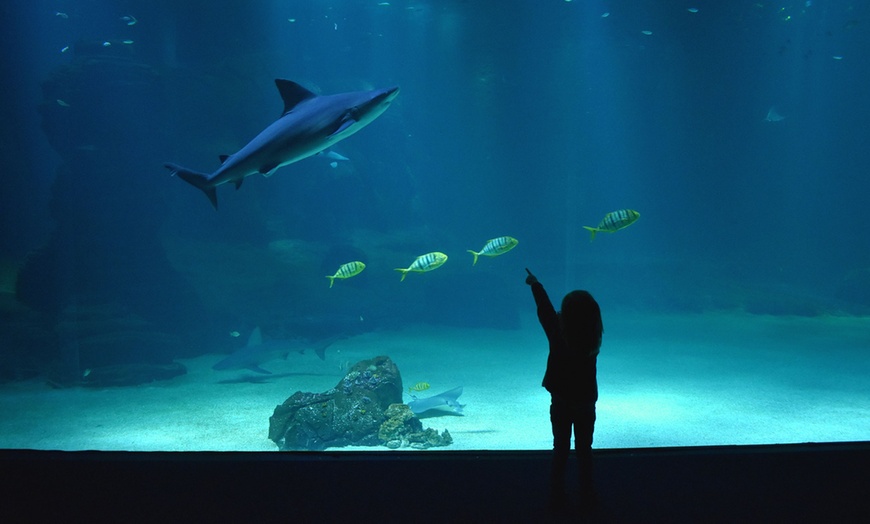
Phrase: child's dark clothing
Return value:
(572, 383)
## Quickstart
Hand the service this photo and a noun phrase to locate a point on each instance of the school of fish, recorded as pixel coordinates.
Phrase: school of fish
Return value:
(611, 223)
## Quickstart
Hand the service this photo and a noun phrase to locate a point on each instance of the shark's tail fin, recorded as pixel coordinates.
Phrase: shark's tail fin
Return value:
(196, 179)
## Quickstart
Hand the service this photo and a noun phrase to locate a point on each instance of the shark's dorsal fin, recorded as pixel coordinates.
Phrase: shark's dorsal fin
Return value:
(256, 338)
(292, 94)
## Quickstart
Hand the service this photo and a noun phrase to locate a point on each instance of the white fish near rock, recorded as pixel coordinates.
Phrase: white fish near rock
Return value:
(444, 402)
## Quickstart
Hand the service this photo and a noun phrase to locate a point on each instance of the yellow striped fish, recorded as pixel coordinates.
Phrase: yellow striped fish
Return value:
(424, 263)
(495, 247)
(614, 221)
(351, 269)
(418, 387)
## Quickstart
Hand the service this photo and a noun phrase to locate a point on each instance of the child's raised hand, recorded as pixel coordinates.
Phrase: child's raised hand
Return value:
(531, 279)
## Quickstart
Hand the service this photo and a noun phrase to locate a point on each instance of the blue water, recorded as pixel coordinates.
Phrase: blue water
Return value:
(529, 119)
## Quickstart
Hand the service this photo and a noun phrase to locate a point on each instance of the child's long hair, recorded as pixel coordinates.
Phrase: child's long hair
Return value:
(581, 322)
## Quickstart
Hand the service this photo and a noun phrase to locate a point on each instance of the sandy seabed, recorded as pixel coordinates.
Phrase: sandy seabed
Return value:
(664, 380)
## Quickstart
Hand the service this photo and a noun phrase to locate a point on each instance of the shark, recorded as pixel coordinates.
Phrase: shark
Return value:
(444, 402)
(309, 124)
(257, 352)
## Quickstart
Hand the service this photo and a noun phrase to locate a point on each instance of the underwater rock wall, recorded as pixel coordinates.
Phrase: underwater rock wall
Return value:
(97, 114)
(102, 114)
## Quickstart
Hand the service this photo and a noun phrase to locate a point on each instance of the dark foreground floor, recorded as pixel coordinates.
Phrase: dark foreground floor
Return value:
(769, 484)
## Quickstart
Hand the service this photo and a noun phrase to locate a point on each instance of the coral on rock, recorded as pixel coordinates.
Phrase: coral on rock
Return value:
(403, 429)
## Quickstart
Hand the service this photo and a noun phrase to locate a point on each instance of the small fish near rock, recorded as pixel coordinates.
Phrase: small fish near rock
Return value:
(419, 386)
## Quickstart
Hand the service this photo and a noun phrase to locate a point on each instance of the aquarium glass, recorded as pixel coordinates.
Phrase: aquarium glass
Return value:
(700, 167)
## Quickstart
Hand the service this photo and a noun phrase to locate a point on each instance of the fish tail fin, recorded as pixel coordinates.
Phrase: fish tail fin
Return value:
(592, 230)
(331, 280)
(196, 179)
(475, 253)
(404, 273)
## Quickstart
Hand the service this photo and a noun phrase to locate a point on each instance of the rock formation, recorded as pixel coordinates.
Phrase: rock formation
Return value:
(364, 409)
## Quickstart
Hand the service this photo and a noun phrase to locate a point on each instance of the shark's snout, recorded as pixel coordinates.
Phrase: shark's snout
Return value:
(387, 95)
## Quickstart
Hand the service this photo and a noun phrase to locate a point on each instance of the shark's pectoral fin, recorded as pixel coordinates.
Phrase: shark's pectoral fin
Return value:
(239, 183)
(343, 127)
(268, 169)
(258, 369)
(223, 158)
